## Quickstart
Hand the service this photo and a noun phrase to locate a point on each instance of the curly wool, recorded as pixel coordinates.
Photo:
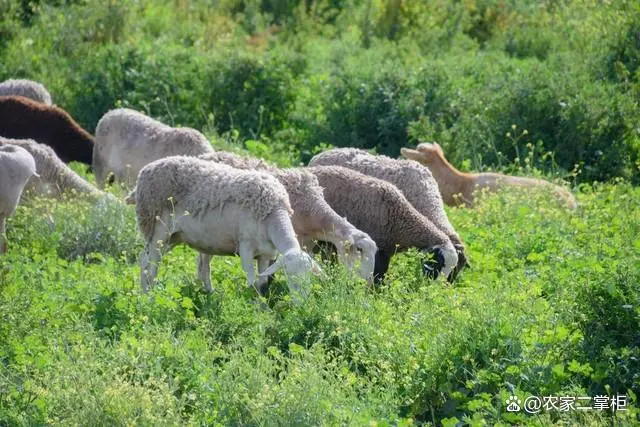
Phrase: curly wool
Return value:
(378, 208)
(302, 186)
(238, 161)
(26, 88)
(196, 186)
(54, 173)
(127, 140)
(415, 181)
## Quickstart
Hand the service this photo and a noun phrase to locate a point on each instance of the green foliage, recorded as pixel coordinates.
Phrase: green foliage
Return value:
(553, 313)
(551, 306)
(373, 74)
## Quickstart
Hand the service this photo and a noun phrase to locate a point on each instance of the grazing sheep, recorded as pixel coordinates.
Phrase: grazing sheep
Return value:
(313, 219)
(458, 187)
(55, 177)
(27, 88)
(127, 140)
(217, 210)
(379, 209)
(16, 167)
(416, 183)
(22, 118)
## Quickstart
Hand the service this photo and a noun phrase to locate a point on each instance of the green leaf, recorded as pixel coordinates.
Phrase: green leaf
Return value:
(450, 422)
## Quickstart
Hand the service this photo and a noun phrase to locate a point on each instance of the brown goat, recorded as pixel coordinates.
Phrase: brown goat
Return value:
(22, 118)
(458, 187)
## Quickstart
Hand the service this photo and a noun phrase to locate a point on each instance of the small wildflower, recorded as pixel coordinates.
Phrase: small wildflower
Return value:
(508, 134)
(525, 132)
(513, 127)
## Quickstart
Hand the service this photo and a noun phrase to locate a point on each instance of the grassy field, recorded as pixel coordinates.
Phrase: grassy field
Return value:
(550, 307)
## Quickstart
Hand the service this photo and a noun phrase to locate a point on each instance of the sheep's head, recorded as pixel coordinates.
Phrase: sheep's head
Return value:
(439, 260)
(425, 153)
(462, 263)
(298, 266)
(367, 249)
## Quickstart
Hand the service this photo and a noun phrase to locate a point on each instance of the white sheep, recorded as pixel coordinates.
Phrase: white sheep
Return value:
(416, 183)
(217, 210)
(27, 88)
(16, 168)
(127, 140)
(313, 219)
(380, 209)
(55, 177)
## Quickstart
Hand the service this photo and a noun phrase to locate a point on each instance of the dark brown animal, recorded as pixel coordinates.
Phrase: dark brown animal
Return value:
(22, 118)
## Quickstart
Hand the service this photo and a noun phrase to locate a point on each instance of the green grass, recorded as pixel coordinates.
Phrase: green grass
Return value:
(550, 307)
(552, 303)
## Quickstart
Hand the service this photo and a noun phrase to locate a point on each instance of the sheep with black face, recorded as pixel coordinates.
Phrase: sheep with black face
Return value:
(416, 183)
(380, 209)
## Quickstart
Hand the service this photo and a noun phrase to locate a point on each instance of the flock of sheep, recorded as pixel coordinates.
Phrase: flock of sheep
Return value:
(367, 207)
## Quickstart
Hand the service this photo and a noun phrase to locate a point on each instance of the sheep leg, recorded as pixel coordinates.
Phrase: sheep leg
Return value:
(264, 281)
(204, 271)
(381, 266)
(149, 260)
(246, 257)
(3, 238)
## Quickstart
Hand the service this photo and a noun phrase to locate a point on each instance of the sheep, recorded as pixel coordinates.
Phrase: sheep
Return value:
(313, 219)
(457, 187)
(27, 88)
(16, 168)
(380, 209)
(217, 210)
(55, 177)
(127, 140)
(416, 183)
(23, 118)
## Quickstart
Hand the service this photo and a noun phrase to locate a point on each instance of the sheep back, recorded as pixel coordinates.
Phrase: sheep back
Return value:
(415, 181)
(23, 118)
(199, 186)
(376, 207)
(237, 161)
(304, 191)
(26, 88)
(127, 140)
(56, 176)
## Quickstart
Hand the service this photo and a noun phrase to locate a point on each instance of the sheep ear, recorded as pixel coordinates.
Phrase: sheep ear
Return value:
(272, 268)
(409, 153)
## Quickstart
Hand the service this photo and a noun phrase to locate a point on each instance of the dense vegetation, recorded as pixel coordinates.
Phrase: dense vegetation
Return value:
(552, 303)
